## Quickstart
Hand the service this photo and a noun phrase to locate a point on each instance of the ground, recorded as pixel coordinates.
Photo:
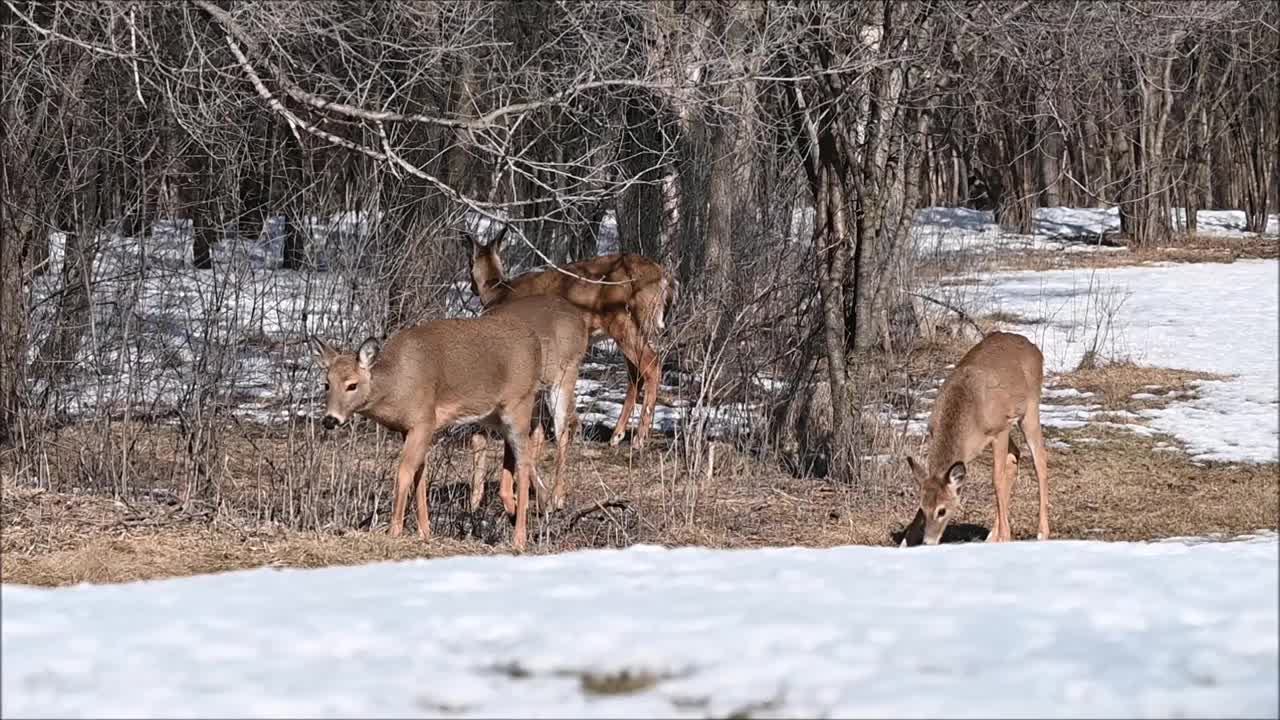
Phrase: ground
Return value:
(700, 578)
(1124, 463)
(1175, 628)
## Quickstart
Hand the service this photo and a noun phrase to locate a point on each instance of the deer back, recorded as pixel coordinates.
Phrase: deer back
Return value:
(991, 385)
(470, 366)
(562, 327)
(632, 284)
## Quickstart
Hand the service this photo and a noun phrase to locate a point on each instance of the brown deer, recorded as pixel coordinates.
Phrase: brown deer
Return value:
(631, 310)
(435, 375)
(564, 334)
(995, 385)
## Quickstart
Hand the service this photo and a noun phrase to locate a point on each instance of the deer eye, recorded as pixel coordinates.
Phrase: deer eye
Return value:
(351, 387)
(942, 512)
(326, 387)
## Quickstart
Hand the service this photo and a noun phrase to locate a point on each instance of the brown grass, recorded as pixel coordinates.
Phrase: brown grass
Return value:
(1108, 483)
(1199, 249)
(1114, 384)
(1116, 488)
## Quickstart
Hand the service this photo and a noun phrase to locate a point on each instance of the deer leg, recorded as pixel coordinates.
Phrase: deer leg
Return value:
(628, 402)
(1010, 479)
(1003, 484)
(420, 501)
(536, 439)
(1030, 425)
(518, 437)
(566, 421)
(412, 456)
(651, 376)
(479, 444)
(506, 489)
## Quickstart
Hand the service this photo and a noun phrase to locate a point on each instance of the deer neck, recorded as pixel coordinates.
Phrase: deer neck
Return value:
(382, 405)
(946, 447)
(493, 292)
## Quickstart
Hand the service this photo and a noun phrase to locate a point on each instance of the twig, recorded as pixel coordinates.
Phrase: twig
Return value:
(963, 315)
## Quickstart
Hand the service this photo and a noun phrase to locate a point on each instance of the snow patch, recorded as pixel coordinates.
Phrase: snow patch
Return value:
(839, 632)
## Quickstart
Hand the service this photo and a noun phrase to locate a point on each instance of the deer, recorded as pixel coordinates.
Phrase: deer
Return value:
(996, 385)
(629, 306)
(564, 335)
(436, 375)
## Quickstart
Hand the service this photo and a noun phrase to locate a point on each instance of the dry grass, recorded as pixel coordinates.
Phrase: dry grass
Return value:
(1114, 384)
(1109, 484)
(1199, 249)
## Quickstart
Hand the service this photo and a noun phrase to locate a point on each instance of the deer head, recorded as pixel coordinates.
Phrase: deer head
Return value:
(486, 265)
(939, 497)
(347, 380)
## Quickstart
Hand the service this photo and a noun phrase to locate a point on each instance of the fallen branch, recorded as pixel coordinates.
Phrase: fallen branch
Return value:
(963, 315)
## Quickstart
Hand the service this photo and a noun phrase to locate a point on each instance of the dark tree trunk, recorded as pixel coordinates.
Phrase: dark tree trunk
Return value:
(15, 233)
(82, 219)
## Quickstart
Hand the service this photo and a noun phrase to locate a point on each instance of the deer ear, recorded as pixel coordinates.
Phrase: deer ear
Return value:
(471, 241)
(368, 352)
(917, 470)
(956, 475)
(323, 352)
(496, 242)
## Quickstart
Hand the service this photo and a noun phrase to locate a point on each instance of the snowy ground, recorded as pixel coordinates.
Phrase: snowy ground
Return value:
(1218, 318)
(1064, 628)
(948, 230)
(1054, 629)
(157, 320)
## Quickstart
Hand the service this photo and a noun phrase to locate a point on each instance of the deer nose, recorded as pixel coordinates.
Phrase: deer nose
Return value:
(330, 422)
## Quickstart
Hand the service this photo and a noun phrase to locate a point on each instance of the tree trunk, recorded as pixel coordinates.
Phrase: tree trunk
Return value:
(639, 207)
(255, 185)
(1150, 201)
(830, 248)
(197, 194)
(81, 222)
(15, 232)
(731, 167)
(1050, 155)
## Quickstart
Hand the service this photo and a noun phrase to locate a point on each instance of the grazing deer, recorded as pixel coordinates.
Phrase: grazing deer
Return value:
(631, 310)
(564, 334)
(996, 384)
(436, 375)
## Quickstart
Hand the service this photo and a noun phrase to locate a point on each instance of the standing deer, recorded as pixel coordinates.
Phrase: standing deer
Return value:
(563, 331)
(631, 310)
(996, 384)
(433, 376)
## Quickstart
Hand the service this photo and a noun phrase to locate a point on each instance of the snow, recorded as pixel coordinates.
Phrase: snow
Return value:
(1219, 318)
(945, 230)
(164, 331)
(844, 632)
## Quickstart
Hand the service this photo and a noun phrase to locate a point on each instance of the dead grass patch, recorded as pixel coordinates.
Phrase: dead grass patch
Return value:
(1116, 487)
(1114, 384)
(1198, 249)
(1005, 317)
